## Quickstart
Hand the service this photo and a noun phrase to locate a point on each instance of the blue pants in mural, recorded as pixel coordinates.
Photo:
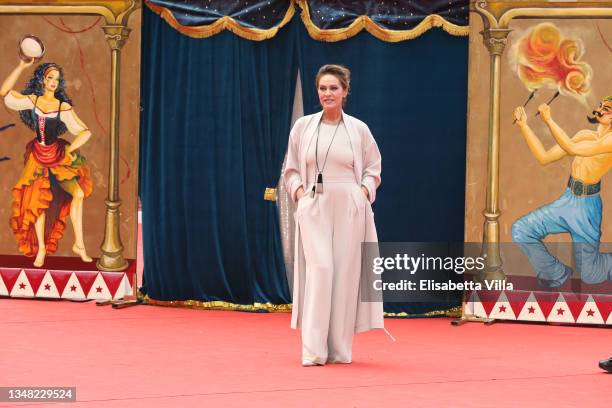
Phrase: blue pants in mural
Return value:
(580, 216)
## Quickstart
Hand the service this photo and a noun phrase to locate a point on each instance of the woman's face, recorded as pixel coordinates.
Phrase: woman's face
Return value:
(331, 92)
(51, 80)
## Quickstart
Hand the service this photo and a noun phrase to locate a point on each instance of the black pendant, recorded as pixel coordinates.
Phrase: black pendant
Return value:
(320, 183)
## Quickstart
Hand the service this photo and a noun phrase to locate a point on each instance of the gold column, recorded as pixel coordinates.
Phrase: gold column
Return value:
(112, 248)
(495, 41)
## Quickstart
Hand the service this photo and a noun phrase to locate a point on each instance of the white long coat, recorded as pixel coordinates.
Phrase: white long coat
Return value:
(367, 166)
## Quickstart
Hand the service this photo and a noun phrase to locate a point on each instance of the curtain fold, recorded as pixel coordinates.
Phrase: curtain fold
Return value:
(216, 115)
(413, 96)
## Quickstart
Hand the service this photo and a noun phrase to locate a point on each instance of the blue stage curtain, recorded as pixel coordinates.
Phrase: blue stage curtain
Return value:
(413, 96)
(215, 120)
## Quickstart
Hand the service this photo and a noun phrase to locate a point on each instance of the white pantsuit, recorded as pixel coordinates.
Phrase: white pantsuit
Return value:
(329, 230)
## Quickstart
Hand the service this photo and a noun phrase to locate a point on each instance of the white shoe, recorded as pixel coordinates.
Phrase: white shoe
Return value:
(334, 360)
(309, 363)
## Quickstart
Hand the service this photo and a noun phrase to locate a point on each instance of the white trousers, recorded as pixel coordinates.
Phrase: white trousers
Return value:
(332, 226)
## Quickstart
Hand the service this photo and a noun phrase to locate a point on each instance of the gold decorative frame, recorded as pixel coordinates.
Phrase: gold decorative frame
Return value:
(496, 16)
(116, 14)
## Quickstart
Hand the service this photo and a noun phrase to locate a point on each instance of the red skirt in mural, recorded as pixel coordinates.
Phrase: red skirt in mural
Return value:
(39, 189)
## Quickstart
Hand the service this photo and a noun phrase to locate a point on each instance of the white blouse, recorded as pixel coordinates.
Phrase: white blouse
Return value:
(67, 116)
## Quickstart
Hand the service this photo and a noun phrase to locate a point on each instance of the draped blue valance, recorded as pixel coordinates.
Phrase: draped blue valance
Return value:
(255, 14)
(388, 20)
(387, 14)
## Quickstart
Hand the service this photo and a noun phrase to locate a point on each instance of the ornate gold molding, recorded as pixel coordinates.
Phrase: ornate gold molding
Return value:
(275, 308)
(499, 13)
(113, 11)
(495, 39)
(112, 248)
(565, 12)
(116, 35)
(218, 305)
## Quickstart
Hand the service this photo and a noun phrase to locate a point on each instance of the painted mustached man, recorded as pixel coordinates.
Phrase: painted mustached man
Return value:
(579, 209)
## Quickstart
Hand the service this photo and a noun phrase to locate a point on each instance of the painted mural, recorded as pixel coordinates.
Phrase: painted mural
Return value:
(555, 148)
(55, 82)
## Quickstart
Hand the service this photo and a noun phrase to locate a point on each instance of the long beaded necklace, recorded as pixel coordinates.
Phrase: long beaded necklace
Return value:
(318, 187)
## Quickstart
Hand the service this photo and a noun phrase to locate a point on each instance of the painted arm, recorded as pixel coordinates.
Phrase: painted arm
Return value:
(535, 145)
(76, 127)
(79, 140)
(587, 148)
(575, 146)
(10, 80)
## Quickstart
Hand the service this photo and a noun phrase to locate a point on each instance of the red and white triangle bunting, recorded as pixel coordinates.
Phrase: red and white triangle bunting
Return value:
(22, 286)
(531, 311)
(47, 288)
(73, 289)
(474, 306)
(560, 312)
(590, 313)
(99, 290)
(124, 288)
(60, 278)
(55, 284)
(3, 290)
(9, 276)
(542, 307)
(502, 309)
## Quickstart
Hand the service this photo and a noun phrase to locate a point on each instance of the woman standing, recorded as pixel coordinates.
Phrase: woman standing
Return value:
(55, 179)
(332, 171)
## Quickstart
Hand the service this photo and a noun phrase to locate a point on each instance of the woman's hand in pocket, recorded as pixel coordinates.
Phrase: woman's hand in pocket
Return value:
(366, 193)
(299, 193)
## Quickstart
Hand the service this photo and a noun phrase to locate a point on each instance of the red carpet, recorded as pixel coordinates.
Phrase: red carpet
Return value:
(161, 357)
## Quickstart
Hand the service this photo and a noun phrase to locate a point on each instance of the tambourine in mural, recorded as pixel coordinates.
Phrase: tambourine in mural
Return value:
(31, 47)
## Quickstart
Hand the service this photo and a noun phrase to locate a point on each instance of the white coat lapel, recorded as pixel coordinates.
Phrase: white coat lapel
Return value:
(311, 130)
(355, 138)
(307, 139)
